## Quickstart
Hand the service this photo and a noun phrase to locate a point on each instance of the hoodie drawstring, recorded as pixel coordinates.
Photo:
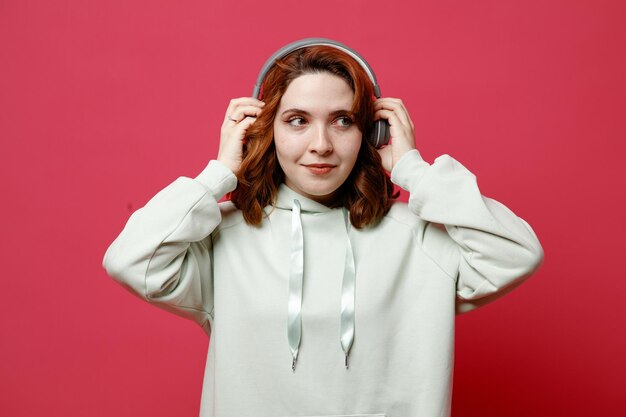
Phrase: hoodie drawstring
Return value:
(348, 292)
(296, 274)
(296, 277)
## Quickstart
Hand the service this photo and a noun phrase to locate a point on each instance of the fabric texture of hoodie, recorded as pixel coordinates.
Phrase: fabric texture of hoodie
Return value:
(448, 250)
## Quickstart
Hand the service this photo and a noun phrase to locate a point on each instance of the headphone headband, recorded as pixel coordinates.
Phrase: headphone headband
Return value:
(303, 43)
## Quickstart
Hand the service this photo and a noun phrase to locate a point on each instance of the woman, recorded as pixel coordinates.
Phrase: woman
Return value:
(311, 246)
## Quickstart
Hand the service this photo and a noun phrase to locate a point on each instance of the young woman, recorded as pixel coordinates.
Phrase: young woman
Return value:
(323, 296)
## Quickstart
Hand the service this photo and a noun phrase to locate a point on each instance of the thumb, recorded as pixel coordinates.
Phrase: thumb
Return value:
(386, 157)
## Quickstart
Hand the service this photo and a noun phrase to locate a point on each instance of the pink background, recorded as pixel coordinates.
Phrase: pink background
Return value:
(103, 103)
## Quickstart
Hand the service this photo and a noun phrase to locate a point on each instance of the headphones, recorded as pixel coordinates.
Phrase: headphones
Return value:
(379, 133)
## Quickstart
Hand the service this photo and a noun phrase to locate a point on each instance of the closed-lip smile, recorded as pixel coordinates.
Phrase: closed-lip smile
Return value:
(319, 169)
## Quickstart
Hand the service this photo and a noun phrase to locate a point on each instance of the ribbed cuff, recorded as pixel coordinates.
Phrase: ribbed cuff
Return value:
(218, 179)
(408, 170)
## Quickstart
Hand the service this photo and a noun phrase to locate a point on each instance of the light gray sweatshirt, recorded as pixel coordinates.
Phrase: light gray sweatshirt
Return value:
(449, 250)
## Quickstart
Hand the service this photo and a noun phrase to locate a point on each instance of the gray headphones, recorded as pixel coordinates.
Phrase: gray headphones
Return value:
(379, 134)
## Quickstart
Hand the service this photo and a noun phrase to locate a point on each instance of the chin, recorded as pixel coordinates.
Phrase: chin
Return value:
(320, 192)
(322, 187)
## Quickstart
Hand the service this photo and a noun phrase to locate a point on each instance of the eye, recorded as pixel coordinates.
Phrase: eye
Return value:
(344, 121)
(296, 121)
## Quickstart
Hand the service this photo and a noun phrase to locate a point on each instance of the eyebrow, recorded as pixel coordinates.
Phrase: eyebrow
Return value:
(306, 113)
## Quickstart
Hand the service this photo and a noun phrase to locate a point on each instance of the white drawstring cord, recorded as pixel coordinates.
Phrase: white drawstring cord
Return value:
(296, 278)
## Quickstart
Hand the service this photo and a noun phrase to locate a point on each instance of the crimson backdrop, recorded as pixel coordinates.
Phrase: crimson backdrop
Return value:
(102, 103)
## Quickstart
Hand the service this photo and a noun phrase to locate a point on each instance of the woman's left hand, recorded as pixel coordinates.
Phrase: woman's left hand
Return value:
(401, 129)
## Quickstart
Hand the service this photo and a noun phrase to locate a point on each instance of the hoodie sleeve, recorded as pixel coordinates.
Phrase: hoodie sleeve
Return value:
(487, 248)
(163, 254)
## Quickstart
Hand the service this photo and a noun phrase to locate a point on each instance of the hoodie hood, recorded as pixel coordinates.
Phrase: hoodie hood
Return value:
(285, 201)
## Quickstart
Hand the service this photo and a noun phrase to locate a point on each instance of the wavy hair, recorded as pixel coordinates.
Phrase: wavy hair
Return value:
(367, 192)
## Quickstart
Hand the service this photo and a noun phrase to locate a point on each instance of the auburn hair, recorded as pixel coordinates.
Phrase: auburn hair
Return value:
(367, 192)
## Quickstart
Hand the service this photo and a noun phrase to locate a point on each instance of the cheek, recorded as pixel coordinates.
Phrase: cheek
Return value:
(283, 150)
(285, 155)
(288, 147)
(279, 143)
(350, 149)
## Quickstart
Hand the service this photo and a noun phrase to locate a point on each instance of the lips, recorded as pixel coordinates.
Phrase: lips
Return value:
(320, 169)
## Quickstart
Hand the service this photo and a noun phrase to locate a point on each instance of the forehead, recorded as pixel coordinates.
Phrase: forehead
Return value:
(318, 91)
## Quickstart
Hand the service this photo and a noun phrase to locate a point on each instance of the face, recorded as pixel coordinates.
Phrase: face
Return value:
(316, 139)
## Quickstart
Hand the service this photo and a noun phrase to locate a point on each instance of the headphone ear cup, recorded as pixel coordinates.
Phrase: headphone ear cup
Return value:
(379, 134)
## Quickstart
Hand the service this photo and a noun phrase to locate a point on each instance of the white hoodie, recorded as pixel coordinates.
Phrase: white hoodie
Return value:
(449, 250)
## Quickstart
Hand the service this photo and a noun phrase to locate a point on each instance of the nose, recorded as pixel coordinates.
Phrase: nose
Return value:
(321, 142)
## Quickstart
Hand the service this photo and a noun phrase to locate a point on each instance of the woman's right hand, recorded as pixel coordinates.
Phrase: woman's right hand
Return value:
(240, 115)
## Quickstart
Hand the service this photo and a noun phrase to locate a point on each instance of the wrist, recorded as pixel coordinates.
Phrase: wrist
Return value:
(218, 178)
(408, 169)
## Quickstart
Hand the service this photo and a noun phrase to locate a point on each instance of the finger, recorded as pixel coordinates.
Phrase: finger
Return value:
(240, 113)
(386, 157)
(244, 125)
(243, 101)
(393, 118)
(395, 104)
(397, 107)
(389, 101)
